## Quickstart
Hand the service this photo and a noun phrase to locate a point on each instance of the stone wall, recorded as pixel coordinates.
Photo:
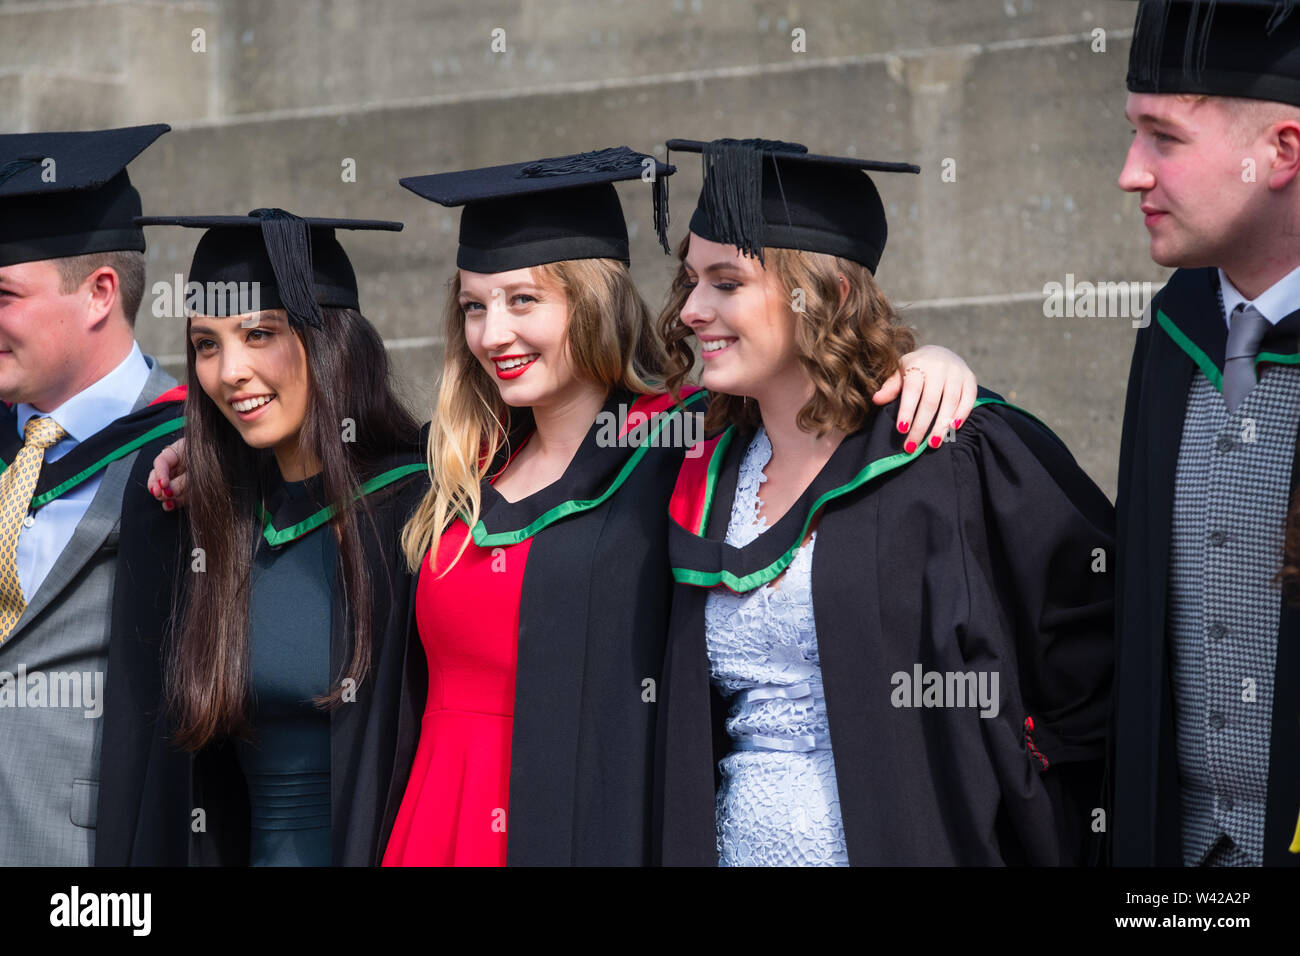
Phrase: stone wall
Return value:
(1013, 108)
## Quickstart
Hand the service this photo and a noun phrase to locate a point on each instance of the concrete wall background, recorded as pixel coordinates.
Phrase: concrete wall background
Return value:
(1014, 92)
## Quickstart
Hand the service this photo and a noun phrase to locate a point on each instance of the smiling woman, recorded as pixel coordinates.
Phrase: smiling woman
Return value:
(820, 558)
(542, 578)
(736, 308)
(255, 371)
(541, 547)
(303, 465)
(542, 306)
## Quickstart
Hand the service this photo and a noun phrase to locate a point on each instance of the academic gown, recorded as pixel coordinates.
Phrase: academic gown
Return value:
(1187, 332)
(132, 767)
(593, 616)
(981, 557)
(372, 738)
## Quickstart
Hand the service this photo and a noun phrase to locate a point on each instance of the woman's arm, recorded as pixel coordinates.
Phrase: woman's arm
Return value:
(935, 389)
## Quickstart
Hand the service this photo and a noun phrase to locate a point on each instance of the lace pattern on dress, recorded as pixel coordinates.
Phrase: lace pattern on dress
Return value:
(778, 804)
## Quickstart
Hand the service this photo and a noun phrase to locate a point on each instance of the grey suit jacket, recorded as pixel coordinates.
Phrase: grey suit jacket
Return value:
(50, 755)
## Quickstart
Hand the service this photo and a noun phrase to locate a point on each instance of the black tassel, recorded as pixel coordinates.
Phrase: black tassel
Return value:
(733, 189)
(288, 245)
(668, 161)
(1283, 10)
(613, 159)
(660, 200)
(780, 188)
(1149, 38)
(732, 195)
(769, 145)
(1203, 48)
(15, 166)
(1197, 39)
(1192, 37)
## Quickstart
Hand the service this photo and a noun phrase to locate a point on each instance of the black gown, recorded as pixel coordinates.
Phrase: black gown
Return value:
(981, 556)
(372, 738)
(1187, 331)
(593, 617)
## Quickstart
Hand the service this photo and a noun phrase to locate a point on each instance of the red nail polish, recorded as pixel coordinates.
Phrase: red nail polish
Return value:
(167, 492)
(935, 441)
(957, 423)
(902, 427)
(910, 447)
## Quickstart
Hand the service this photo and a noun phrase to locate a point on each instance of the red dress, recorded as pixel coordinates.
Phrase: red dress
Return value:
(454, 811)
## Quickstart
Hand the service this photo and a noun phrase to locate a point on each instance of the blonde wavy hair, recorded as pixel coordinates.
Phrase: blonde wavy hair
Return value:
(611, 343)
(849, 344)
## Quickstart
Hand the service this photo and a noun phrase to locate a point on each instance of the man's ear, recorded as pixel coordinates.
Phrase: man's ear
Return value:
(1285, 140)
(102, 291)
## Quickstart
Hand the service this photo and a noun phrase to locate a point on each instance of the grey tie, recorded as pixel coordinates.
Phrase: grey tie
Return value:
(1244, 335)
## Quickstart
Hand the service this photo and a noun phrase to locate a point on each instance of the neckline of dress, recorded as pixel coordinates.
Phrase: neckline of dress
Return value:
(760, 447)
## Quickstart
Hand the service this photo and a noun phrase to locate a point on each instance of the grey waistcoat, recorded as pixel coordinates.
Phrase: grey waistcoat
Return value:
(1231, 496)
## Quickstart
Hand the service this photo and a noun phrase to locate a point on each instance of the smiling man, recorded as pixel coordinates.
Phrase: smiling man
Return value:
(1207, 720)
(84, 552)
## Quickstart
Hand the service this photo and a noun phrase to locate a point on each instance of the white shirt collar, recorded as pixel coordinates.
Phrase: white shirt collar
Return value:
(102, 403)
(1275, 303)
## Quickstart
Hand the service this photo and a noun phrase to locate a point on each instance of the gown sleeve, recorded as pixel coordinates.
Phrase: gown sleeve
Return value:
(1123, 501)
(1037, 537)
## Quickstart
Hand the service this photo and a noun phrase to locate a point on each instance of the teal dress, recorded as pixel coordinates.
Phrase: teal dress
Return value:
(287, 763)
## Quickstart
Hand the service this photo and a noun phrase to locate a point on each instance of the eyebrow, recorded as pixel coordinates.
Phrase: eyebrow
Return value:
(1152, 118)
(264, 322)
(464, 293)
(716, 267)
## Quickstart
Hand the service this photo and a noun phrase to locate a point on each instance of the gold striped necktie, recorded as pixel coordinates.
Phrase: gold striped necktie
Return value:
(16, 487)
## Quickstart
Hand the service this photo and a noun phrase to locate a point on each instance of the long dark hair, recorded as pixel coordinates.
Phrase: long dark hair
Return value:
(348, 375)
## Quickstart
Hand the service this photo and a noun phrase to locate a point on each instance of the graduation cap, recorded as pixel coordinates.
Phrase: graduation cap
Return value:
(761, 192)
(67, 194)
(296, 263)
(550, 210)
(1247, 48)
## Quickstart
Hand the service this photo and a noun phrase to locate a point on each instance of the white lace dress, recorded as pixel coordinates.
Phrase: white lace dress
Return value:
(778, 804)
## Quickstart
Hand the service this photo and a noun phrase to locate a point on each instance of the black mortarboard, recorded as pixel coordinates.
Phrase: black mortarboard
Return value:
(1248, 48)
(528, 214)
(760, 192)
(297, 263)
(67, 194)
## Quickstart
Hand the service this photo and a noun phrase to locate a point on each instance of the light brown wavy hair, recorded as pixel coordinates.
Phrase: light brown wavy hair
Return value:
(849, 344)
(611, 342)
